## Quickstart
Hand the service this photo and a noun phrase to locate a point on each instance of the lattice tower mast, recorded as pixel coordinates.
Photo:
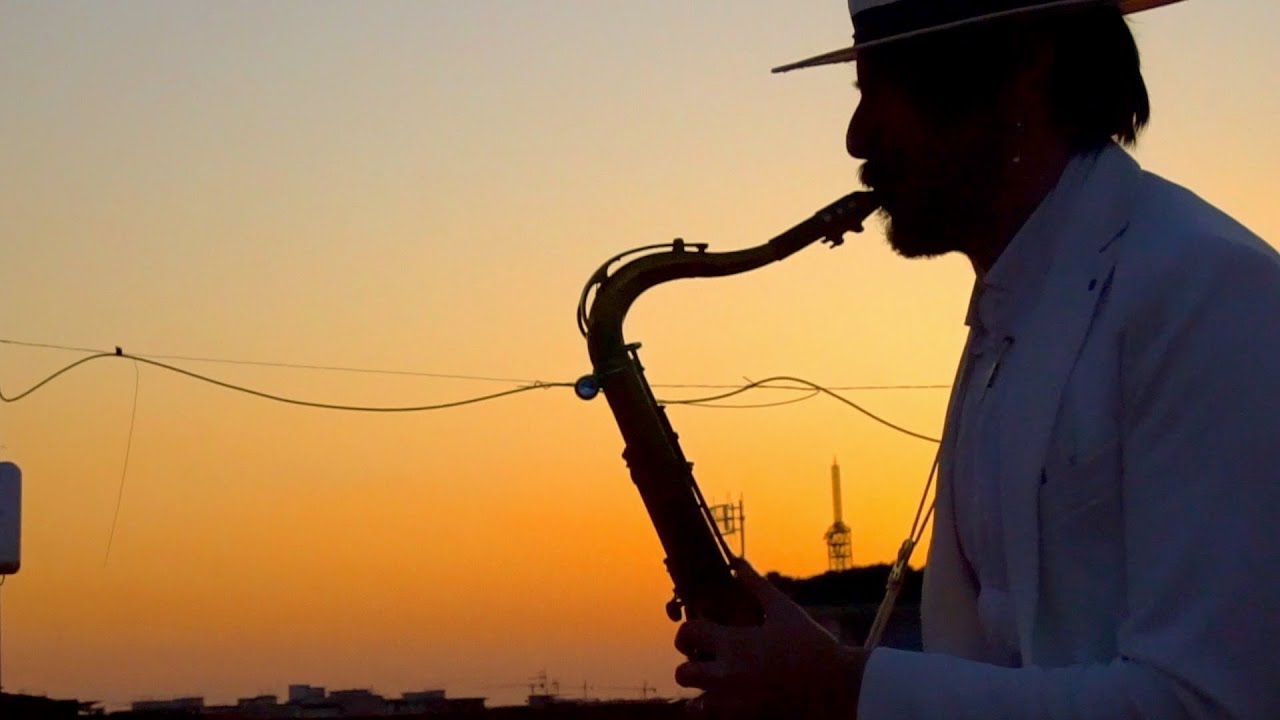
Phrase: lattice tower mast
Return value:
(839, 556)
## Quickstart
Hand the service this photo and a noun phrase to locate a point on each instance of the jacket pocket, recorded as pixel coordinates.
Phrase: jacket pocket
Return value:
(1076, 484)
(1081, 557)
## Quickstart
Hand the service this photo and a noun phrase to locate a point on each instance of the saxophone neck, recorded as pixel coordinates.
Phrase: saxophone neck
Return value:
(601, 323)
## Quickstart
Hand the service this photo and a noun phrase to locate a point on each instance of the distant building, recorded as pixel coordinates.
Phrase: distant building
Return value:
(465, 706)
(305, 693)
(423, 696)
(188, 705)
(542, 700)
(650, 709)
(260, 706)
(417, 703)
(434, 702)
(359, 702)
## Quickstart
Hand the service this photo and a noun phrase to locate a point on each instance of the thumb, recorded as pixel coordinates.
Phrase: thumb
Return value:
(767, 593)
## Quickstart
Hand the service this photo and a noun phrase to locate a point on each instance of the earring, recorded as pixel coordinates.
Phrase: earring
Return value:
(1019, 128)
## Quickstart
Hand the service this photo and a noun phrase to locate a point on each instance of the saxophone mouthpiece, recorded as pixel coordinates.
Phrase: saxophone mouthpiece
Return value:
(847, 215)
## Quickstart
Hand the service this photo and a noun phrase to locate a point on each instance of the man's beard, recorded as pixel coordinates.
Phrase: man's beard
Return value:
(938, 208)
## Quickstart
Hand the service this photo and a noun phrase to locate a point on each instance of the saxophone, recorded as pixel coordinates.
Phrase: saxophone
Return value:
(697, 556)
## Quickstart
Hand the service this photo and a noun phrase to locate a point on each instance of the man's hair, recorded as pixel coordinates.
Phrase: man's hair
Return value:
(1095, 88)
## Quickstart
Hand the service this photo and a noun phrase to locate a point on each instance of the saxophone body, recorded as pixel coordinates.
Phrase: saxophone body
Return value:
(697, 557)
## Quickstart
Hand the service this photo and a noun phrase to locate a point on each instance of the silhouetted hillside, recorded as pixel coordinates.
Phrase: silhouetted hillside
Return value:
(848, 587)
(846, 603)
(38, 707)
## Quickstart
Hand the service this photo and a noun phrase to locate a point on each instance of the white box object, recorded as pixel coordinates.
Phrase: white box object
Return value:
(10, 518)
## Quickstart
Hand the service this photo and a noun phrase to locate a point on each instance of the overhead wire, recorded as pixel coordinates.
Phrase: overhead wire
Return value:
(814, 386)
(706, 401)
(54, 376)
(918, 526)
(445, 376)
(791, 401)
(263, 363)
(124, 471)
(48, 346)
(841, 388)
(339, 368)
(535, 385)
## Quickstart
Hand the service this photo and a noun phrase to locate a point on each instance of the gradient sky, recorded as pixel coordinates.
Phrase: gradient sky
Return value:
(426, 186)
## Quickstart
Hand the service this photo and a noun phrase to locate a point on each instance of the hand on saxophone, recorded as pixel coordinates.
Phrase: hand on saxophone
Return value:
(789, 666)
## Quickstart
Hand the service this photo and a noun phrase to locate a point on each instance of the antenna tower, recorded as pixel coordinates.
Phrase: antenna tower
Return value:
(837, 536)
(731, 520)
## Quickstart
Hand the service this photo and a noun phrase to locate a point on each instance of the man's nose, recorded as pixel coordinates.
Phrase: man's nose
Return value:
(856, 136)
(855, 139)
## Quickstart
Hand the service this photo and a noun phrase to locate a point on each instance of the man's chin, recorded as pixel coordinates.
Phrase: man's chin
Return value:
(914, 241)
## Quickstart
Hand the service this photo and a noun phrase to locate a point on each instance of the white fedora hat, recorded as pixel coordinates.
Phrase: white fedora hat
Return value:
(877, 22)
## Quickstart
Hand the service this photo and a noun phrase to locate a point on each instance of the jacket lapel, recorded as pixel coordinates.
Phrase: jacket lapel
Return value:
(1040, 362)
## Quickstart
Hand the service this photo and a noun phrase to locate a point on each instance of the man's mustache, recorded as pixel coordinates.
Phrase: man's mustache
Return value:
(870, 174)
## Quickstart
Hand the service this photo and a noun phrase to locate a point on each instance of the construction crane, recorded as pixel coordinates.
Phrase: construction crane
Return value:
(644, 689)
(542, 690)
(837, 536)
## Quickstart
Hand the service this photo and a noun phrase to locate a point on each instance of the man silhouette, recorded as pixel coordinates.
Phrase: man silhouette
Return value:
(1109, 489)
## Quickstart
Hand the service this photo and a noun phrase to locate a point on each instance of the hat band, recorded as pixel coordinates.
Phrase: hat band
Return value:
(909, 16)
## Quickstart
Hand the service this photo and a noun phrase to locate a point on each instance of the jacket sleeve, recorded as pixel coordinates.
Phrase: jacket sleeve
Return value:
(1200, 387)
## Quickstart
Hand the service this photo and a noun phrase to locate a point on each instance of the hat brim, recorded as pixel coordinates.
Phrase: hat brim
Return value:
(850, 54)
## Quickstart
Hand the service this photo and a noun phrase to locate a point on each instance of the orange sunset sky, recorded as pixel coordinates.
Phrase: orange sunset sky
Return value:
(426, 187)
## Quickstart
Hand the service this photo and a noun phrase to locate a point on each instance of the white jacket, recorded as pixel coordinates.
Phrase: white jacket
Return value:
(1140, 483)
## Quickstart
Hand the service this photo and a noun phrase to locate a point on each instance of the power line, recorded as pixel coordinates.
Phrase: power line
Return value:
(48, 346)
(444, 376)
(293, 366)
(814, 386)
(842, 388)
(53, 377)
(339, 368)
(534, 385)
(272, 396)
(808, 396)
(124, 471)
